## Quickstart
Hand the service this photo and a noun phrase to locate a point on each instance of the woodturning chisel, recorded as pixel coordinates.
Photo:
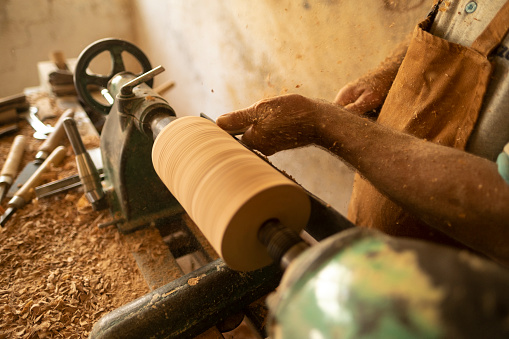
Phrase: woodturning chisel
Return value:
(54, 139)
(11, 164)
(24, 194)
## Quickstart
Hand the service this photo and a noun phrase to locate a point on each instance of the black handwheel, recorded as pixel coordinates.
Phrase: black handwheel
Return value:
(83, 79)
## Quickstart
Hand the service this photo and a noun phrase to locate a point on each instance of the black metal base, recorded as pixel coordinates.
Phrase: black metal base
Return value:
(189, 305)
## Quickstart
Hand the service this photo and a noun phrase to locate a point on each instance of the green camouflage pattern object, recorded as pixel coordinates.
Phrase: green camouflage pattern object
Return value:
(503, 165)
(362, 284)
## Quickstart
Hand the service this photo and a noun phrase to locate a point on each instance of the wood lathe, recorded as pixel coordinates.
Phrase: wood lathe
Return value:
(355, 282)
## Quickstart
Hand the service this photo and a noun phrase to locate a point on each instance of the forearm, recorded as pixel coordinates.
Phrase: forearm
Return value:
(451, 190)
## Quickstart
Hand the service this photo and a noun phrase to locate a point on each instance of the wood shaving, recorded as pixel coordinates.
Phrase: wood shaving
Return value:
(60, 272)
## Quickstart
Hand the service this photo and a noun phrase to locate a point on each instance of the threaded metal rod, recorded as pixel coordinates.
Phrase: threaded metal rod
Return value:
(283, 244)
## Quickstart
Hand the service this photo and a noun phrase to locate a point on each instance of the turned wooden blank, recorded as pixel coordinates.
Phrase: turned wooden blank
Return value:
(228, 191)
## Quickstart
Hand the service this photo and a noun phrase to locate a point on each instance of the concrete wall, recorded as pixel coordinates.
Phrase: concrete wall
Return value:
(223, 54)
(31, 29)
(227, 54)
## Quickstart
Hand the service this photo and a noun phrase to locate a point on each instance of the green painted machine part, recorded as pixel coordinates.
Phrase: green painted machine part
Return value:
(363, 284)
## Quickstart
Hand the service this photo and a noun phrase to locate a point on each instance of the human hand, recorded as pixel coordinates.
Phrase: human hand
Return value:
(363, 95)
(276, 124)
(369, 92)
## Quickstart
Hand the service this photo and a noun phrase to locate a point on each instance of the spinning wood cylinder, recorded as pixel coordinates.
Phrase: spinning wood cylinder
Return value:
(228, 191)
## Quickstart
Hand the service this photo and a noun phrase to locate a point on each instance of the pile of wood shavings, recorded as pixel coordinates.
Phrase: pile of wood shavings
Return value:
(60, 272)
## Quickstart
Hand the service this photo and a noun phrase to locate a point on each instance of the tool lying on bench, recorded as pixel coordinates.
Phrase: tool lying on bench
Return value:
(54, 139)
(25, 193)
(353, 283)
(11, 164)
(70, 182)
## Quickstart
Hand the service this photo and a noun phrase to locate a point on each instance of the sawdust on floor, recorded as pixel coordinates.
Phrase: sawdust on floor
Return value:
(60, 272)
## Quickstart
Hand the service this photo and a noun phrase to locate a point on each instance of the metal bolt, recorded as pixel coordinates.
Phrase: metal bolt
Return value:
(471, 7)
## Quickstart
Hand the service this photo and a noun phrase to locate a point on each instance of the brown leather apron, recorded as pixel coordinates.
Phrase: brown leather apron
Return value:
(437, 96)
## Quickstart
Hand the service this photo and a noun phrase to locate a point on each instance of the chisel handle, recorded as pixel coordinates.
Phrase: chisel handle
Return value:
(55, 158)
(55, 137)
(13, 160)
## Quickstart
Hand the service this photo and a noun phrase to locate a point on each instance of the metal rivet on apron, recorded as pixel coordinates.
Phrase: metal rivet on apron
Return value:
(471, 7)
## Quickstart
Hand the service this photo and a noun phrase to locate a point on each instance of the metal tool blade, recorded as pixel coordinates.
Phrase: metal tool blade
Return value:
(70, 182)
(59, 186)
(23, 176)
(7, 215)
(44, 150)
(41, 130)
(24, 194)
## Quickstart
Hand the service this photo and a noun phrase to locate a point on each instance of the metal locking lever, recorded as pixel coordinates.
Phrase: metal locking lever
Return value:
(127, 89)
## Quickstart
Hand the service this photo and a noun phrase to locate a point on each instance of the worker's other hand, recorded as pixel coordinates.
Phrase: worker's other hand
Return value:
(369, 91)
(363, 95)
(275, 124)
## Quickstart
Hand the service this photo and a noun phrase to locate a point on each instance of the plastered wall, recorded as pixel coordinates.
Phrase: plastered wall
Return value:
(227, 54)
(31, 29)
(223, 54)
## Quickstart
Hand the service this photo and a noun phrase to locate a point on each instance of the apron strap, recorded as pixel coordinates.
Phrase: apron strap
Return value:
(493, 35)
(425, 25)
(434, 10)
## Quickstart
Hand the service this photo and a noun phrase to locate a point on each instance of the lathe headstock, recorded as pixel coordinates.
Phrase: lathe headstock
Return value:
(135, 194)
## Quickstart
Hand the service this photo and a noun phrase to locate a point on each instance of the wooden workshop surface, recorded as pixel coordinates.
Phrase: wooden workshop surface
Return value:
(59, 272)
